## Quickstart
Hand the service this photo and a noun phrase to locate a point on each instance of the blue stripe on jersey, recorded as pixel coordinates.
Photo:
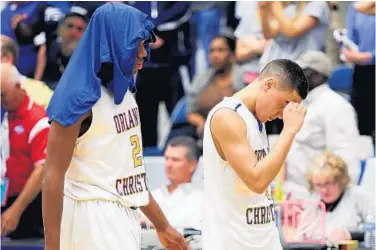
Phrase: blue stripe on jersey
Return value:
(260, 126)
(238, 106)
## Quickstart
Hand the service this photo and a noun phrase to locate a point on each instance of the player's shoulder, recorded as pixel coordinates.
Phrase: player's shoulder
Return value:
(226, 120)
(224, 115)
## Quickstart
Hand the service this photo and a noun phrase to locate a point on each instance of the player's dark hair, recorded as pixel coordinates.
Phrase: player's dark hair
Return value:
(231, 43)
(187, 142)
(289, 72)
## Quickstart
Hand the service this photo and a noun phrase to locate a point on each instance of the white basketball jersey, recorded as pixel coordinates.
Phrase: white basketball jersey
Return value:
(108, 161)
(234, 216)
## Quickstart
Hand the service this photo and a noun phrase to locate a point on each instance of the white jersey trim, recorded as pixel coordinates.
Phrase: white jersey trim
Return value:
(38, 127)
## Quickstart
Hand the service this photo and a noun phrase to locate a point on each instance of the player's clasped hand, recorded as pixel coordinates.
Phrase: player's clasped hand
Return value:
(173, 240)
(293, 116)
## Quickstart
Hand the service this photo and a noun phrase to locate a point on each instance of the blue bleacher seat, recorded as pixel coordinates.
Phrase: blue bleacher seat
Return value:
(362, 170)
(2, 112)
(341, 79)
(179, 114)
(153, 151)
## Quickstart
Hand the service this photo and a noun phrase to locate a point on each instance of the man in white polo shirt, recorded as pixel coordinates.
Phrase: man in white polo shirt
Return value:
(330, 125)
(180, 201)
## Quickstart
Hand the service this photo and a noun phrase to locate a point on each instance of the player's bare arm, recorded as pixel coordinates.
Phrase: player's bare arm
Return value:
(168, 236)
(230, 136)
(60, 146)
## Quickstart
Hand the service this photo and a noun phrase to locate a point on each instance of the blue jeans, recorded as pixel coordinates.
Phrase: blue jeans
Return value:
(206, 25)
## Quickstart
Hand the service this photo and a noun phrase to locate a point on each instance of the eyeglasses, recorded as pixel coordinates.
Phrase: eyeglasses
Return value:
(327, 184)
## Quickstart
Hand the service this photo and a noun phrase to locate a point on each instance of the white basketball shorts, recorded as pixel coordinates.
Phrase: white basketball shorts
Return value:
(99, 225)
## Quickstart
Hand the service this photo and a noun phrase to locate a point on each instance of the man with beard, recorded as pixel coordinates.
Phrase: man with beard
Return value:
(70, 32)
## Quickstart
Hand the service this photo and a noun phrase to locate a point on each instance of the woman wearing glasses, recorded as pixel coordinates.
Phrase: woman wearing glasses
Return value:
(347, 206)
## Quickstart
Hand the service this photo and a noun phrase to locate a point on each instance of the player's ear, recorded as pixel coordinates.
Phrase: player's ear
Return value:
(269, 84)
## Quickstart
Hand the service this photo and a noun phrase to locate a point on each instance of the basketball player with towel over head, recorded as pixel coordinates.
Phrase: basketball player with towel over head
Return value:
(238, 169)
(95, 174)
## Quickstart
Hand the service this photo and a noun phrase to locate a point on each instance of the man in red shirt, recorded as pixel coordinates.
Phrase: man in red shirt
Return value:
(28, 132)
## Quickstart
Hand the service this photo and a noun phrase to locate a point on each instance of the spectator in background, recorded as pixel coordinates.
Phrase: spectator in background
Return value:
(180, 201)
(330, 124)
(331, 45)
(3, 5)
(37, 90)
(347, 206)
(60, 50)
(294, 27)
(366, 7)
(210, 87)
(206, 21)
(30, 63)
(47, 19)
(44, 26)
(250, 43)
(49, 16)
(21, 217)
(161, 75)
(361, 30)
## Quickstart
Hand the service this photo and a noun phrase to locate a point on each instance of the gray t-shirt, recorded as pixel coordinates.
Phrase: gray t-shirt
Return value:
(282, 47)
(249, 25)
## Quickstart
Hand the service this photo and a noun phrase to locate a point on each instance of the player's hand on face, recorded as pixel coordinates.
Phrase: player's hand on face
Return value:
(9, 220)
(172, 239)
(293, 117)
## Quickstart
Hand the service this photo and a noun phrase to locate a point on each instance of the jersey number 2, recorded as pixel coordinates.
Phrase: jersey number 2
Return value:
(137, 158)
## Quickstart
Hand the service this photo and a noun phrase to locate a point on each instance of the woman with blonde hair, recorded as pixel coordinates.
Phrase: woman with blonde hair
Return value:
(347, 206)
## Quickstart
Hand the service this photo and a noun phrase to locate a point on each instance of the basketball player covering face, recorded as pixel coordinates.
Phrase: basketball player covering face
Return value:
(94, 159)
(238, 169)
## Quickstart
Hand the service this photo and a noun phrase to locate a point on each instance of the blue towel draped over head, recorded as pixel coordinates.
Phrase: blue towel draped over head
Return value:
(112, 36)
